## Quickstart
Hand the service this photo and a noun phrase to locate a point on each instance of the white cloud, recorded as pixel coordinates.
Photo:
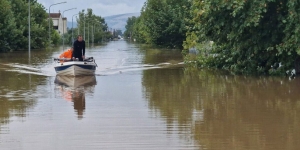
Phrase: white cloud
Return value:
(105, 10)
(100, 7)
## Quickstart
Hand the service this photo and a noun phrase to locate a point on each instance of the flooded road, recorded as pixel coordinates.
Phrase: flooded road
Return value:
(142, 98)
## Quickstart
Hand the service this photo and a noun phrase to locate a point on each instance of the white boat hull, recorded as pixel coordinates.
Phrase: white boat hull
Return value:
(75, 68)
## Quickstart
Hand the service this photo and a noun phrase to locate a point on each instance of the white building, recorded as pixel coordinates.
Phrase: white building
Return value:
(59, 23)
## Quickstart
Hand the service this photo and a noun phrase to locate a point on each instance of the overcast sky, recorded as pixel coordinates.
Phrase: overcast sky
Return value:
(101, 8)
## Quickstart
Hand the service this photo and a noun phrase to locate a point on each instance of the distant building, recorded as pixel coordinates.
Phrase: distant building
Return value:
(59, 23)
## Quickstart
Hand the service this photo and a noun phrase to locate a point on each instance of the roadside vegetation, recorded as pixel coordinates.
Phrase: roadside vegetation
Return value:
(92, 27)
(258, 37)
(14, 26)
(162, 23)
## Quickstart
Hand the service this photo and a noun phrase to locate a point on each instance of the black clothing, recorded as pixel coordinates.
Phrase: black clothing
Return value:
(79, 49)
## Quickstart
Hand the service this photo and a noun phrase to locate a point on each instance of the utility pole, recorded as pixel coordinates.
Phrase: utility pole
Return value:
(29, 46)
(88, 32)
(49, 20)
(78, 27)
(64, 26)
(84, 26)
(72, 27)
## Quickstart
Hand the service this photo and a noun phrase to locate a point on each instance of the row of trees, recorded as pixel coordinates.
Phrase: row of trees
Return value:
(162, 22)
(258, 36)
(93, 28)
(14, 25)
(202, 98)
(247, 37)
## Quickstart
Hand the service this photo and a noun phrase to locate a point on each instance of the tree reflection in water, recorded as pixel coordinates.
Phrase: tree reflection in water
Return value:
(74, 89)
(227, 112)
(16, 96)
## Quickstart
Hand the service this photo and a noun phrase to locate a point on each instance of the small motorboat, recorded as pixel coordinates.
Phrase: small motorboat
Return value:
(68, 67)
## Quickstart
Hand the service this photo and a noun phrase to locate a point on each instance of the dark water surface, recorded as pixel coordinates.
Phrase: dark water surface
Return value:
(139, 99)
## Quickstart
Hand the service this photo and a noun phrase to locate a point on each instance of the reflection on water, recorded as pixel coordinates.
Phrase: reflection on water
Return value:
(73, 89)
(146, 100)
(225, 112)
(17, 96)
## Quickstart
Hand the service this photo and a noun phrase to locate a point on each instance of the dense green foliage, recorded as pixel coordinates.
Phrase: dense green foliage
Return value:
(161, 23)
(92, 27)
(14, 25)
(129, 27)
(248, 36)
(117, 33)
(8, 26)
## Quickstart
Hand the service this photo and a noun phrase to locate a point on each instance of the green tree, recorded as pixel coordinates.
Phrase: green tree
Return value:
(118, 33)
(89, 24)
(129, 26)
(39, 24)
(55, 37)
(162, 22)
(8, 30)
(20, 11)
(249, 36)
(139, 31)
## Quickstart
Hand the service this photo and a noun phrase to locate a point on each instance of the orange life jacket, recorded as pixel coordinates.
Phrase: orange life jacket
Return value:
(66, 54)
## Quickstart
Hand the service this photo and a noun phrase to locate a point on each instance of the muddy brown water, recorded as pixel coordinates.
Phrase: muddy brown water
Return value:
(142, 98)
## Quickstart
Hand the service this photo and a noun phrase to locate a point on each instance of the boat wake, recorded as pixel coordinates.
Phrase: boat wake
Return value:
(25, 69)
(108, 69)
(130, 68)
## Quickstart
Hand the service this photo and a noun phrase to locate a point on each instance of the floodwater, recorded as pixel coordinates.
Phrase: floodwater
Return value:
(142, 98)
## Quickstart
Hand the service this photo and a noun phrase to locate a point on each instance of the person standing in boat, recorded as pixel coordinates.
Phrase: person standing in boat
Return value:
(79, 48)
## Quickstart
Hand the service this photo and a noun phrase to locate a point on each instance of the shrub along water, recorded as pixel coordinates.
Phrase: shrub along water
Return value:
(249, 37)
(14, 25)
